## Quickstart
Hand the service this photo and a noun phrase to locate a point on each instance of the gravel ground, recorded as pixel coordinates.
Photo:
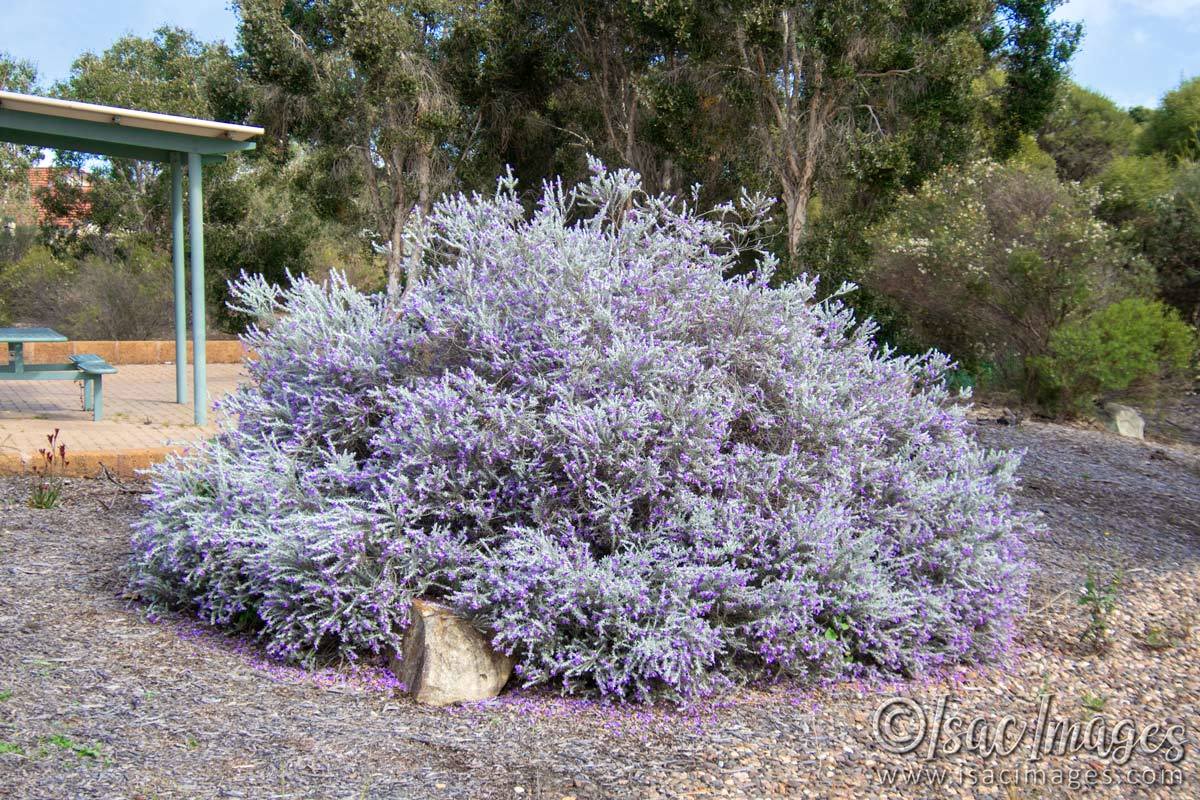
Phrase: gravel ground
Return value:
(97, 702)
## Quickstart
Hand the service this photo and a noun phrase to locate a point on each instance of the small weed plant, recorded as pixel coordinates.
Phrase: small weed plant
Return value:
(1099, 598)
(49, 473)
(63, 742)
(1094, 703)
(1156, 637)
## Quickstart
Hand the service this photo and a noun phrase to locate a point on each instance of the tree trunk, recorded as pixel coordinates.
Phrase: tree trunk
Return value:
(800, 182)
(796, 204)
(395, 253)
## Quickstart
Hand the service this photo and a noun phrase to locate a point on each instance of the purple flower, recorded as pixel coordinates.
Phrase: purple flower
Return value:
(643, 479)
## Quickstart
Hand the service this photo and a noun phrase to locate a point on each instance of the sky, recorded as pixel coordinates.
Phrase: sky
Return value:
(52, 33)
(1133, 50)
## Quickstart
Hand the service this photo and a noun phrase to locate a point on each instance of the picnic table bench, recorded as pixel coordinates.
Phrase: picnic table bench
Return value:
(88, 369)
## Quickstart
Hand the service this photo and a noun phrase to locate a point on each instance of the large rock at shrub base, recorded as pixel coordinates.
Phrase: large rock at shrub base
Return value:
(1124, 420)
(444, 659)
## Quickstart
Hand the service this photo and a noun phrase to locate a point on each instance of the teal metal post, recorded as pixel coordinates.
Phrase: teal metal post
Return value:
(97, 400)
(196, 235)
(180, 284)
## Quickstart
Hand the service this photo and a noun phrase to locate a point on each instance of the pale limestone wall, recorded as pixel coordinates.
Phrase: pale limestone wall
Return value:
(144, 352)
(127, 464)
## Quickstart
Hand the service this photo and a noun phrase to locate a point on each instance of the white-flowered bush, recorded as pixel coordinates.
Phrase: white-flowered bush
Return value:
(647, 480)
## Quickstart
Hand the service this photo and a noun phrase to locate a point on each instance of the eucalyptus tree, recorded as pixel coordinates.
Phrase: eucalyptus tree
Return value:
(637, 83)
(833, 80)
(15, 76)
(365, 84)
(646, 90)
(170, 72)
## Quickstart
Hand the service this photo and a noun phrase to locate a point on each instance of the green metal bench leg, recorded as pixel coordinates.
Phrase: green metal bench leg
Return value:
(98, 399)
(87, 394)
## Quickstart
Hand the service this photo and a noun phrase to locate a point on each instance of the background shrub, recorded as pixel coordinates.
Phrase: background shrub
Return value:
(15, 241)
(1129, 188)
(1174, 127)
(986, 261)
(125, 296)
(129, 298)
(1172, 242)
(31, 285)
(645, 479)
(1134, 343)
(1085, 131)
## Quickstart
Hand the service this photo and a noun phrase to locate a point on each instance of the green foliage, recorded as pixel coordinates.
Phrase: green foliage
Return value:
(1172, 242)
(986, 260)
(30, 287)
(1130, 187)
(854, 101)
(15, 76)
(15, 241)
(1174, 128)
(1085, 131)
(965, 103)
(64, 742)
(1099, 598)
(373, 109)
(1140, 114)
(263, 223)
(1035, 50)
(1029, 155)
(691, 92)
(1134, 342)
(167, 73)
(838, 251)
(368, 83)
(1156, 637)
(125, 296)
(48, 482)
(128, 297)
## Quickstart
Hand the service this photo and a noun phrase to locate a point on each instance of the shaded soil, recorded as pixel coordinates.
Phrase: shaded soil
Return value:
(99, 702)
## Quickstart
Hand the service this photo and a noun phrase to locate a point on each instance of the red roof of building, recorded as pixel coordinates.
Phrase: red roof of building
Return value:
(42, 178)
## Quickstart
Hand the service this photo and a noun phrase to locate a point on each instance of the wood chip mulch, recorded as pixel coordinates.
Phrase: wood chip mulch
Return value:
(97, 701)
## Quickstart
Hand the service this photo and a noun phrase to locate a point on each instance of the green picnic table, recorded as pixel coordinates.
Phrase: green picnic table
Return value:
(88, 369)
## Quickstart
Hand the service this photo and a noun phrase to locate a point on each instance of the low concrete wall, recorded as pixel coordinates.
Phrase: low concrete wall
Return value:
(145, 352)
(88, 464)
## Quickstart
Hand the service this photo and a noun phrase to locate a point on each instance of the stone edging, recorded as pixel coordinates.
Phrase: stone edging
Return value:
(87, 463)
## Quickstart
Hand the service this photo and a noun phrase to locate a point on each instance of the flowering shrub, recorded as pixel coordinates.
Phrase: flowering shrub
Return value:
(985, 260)
(647, 480)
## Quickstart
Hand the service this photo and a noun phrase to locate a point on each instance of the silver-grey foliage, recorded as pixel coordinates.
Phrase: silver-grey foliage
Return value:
(648, 480)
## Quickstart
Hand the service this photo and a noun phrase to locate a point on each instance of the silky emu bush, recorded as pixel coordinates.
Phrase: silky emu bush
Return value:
(645, 479)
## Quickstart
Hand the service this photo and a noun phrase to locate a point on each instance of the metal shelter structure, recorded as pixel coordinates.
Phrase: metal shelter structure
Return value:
(164, 138)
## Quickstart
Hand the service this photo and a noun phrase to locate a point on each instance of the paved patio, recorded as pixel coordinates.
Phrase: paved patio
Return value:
(142, 422)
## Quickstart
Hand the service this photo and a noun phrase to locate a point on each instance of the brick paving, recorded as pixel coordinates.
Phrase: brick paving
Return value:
(140, 416)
